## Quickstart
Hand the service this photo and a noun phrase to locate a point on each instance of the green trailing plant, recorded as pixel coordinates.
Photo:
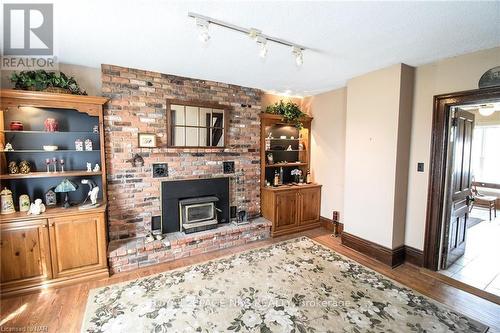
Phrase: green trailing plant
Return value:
(289, 110)
(42, 80)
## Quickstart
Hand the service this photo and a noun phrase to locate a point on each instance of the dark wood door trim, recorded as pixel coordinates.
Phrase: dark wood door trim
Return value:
(437, 168)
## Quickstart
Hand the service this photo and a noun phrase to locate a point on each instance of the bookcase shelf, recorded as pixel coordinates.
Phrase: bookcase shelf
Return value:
(79, 117)
(45, 174)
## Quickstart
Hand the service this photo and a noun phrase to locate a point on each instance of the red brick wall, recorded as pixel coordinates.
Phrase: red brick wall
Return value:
(138, 104)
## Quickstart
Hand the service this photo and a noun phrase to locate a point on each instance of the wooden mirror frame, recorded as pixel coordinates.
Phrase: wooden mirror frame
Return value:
(437, 167)
(200, 104)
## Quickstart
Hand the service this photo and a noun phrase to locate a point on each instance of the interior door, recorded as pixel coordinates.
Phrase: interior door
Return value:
(459, 198)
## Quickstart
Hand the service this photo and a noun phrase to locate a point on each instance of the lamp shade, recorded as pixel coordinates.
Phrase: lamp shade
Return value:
(66, 186)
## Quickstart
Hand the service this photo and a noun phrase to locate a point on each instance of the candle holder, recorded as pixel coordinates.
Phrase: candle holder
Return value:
(61, 162)
(54, 161)
(47, 163)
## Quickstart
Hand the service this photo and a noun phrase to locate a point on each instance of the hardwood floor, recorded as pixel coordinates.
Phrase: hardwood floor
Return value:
(61, 310)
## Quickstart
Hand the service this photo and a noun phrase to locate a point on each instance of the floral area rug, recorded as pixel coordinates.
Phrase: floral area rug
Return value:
(293, 286)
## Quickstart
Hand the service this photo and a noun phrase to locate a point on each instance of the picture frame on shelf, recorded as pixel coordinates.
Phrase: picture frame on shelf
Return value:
(147, 140)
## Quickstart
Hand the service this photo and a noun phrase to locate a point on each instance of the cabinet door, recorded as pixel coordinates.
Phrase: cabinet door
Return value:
(286, 210)
(24, 252)
(77, 244)
(310, 202)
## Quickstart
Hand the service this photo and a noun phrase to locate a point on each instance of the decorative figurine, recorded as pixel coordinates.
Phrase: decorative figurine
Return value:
(8, 147)
(65, 187)
(78, 145)
(16, 125)
(270, 159)
(301, 146)
(88, 144)
(89, 167)
(92, 195)
(36, 208)
(97, 168)
(61, 162)
(95, 129)
(50, 197)
(24, 203)
(51, 125)
(13, 168)
(47, 163)
(24, 167)
(54, 161)
(289, 148)
(137, 161)
(6, 202)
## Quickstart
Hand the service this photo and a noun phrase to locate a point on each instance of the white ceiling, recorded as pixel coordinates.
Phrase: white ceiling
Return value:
(346, 38)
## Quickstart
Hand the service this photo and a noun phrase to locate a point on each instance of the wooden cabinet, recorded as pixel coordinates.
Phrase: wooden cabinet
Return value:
(309, 205)
(287, 209)
(291, 208)
(56, 250)
(24, 247)
(86, 250)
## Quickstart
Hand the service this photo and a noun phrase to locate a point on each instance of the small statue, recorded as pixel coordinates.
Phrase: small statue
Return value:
(97, 168)
(37, 207)
(92, 195)
(89, 167)
(13, 168)
(8, 147)
(24, 167)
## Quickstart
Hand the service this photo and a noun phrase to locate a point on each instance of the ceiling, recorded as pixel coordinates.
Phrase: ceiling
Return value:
(346, 38)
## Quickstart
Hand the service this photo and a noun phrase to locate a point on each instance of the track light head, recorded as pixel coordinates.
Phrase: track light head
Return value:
(202, 25)
(262, 42)
(297, 53)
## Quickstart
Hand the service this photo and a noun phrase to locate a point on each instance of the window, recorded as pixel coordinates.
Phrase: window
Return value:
(196, 124)
(486, 154)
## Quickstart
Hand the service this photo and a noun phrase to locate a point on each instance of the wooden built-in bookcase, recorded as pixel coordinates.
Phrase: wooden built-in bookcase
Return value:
(61, 245)
(291, 207)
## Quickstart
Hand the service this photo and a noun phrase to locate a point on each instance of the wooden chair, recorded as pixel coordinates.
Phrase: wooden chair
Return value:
(484, 201)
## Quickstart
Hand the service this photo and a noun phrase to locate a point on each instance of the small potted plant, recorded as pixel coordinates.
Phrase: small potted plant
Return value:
(296, 173)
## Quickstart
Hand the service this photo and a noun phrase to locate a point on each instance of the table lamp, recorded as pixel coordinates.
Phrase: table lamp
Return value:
(65, 187)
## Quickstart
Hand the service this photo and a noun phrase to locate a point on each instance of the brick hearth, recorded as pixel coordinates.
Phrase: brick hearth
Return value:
(132, 253)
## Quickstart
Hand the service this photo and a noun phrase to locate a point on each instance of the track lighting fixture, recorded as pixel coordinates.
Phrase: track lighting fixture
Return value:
(297, 53)
(202, 25)
(203, 22)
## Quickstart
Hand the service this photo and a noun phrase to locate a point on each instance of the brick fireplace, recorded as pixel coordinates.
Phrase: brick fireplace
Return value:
(138, 102)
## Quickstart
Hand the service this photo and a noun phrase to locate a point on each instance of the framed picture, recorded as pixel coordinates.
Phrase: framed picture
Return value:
(147, 140)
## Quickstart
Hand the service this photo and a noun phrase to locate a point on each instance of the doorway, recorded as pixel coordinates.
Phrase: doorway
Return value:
(463, 227)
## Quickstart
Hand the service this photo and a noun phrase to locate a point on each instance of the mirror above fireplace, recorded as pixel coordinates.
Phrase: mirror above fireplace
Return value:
(196, 124)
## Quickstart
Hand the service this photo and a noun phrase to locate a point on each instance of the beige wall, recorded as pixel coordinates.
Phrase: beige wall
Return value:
(88, 78)
(328, 148)
(446, 76)
(376, 144)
